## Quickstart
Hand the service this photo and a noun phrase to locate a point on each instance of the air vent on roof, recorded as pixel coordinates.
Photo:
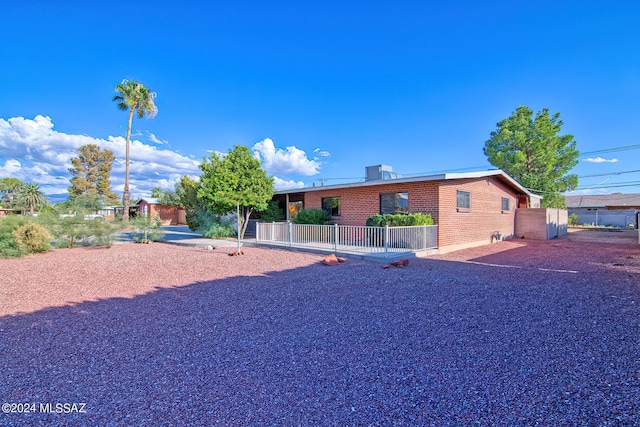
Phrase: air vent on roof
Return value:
(380, 172)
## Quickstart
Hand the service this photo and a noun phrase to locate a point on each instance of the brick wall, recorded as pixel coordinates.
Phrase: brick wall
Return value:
(457, 229)
(464, 228)
(168, 214)
(359, 203)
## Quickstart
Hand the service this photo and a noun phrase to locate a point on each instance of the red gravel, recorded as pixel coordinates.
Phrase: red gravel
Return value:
(518, 333)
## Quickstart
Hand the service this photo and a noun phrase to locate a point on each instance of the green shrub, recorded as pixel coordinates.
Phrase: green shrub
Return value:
(273, 212)
(32, 238)
(399, 220)
(574, 219)
(218, 227)
(146, 230)
(9, 248)
(311, 216)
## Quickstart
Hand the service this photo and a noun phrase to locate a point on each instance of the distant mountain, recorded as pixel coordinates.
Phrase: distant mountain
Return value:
(57, 198)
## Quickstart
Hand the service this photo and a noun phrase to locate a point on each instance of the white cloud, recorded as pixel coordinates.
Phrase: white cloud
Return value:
(321, 153)
(11, 167)
(31, 150)
(283, 161)
(281, 184)
(600, 160)
(155, 139)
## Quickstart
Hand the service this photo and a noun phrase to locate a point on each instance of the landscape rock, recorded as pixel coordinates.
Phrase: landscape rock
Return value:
(331, 260)
(402, 262)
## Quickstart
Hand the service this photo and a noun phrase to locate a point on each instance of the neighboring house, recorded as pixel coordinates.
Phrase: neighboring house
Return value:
(151, 207)
(605, 209)
(470, 209)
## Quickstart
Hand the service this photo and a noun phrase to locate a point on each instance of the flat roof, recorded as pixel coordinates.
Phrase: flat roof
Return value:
(438, 177)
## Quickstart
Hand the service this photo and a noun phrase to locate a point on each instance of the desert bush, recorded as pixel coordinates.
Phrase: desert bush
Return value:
(398, 220)
(312, 216)
(72, 231)
(32, 238)
(104, 232)
(145, 229)
(216, 226)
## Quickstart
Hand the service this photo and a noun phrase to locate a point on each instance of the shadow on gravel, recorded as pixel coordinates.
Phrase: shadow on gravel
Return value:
(436, 343)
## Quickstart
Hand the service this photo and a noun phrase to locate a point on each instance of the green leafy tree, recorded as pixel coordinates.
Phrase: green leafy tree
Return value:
(9, 188)
(187, 191)
(31, 195)
(166, 197)
(134, 98)
(91, 174)
(531, 150)
(170, 198)
(235, 179)
(83, 203)
(156, 192)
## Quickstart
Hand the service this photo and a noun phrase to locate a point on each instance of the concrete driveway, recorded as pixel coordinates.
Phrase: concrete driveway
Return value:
(625, 237)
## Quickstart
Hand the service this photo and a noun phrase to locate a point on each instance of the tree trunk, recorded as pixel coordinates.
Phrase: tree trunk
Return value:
(125, 193)
(246, 213)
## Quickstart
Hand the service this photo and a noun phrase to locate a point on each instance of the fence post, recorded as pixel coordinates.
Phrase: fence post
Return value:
(424, 236)
(335, 237)
(257, 232)
(290, 227)
(386, 239)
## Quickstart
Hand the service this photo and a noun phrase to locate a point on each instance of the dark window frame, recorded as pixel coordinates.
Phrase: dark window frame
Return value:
(397, 207)
(463, 201)
(506, 204)
(330, 212)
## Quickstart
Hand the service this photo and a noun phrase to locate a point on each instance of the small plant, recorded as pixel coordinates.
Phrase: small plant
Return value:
(104, 232)
(32, 238)
(146, 230)
(574, 219)
(312, 216)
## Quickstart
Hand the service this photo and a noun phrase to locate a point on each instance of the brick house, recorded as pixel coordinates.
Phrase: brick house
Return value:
(151, 207)
(470, 209)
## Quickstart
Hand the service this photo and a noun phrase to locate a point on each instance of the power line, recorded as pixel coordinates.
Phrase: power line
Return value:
(612, 185)
(609, 174)
(611, 150)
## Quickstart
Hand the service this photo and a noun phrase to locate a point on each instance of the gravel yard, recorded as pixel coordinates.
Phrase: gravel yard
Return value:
(519, 333)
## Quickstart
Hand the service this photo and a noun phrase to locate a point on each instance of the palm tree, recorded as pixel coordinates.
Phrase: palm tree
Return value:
(134, 97)
(31, 195)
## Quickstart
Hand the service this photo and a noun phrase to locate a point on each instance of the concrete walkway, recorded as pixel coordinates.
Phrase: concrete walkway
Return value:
(181, 235)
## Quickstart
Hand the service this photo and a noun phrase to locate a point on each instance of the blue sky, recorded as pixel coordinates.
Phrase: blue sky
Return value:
(318, 90)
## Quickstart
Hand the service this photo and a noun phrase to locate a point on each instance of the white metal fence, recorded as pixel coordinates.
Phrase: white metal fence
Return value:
(344, 238)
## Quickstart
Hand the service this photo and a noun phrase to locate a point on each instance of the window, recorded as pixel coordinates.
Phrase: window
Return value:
(331, 205)
(394, 203)
(464, 200)
(505, 204)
